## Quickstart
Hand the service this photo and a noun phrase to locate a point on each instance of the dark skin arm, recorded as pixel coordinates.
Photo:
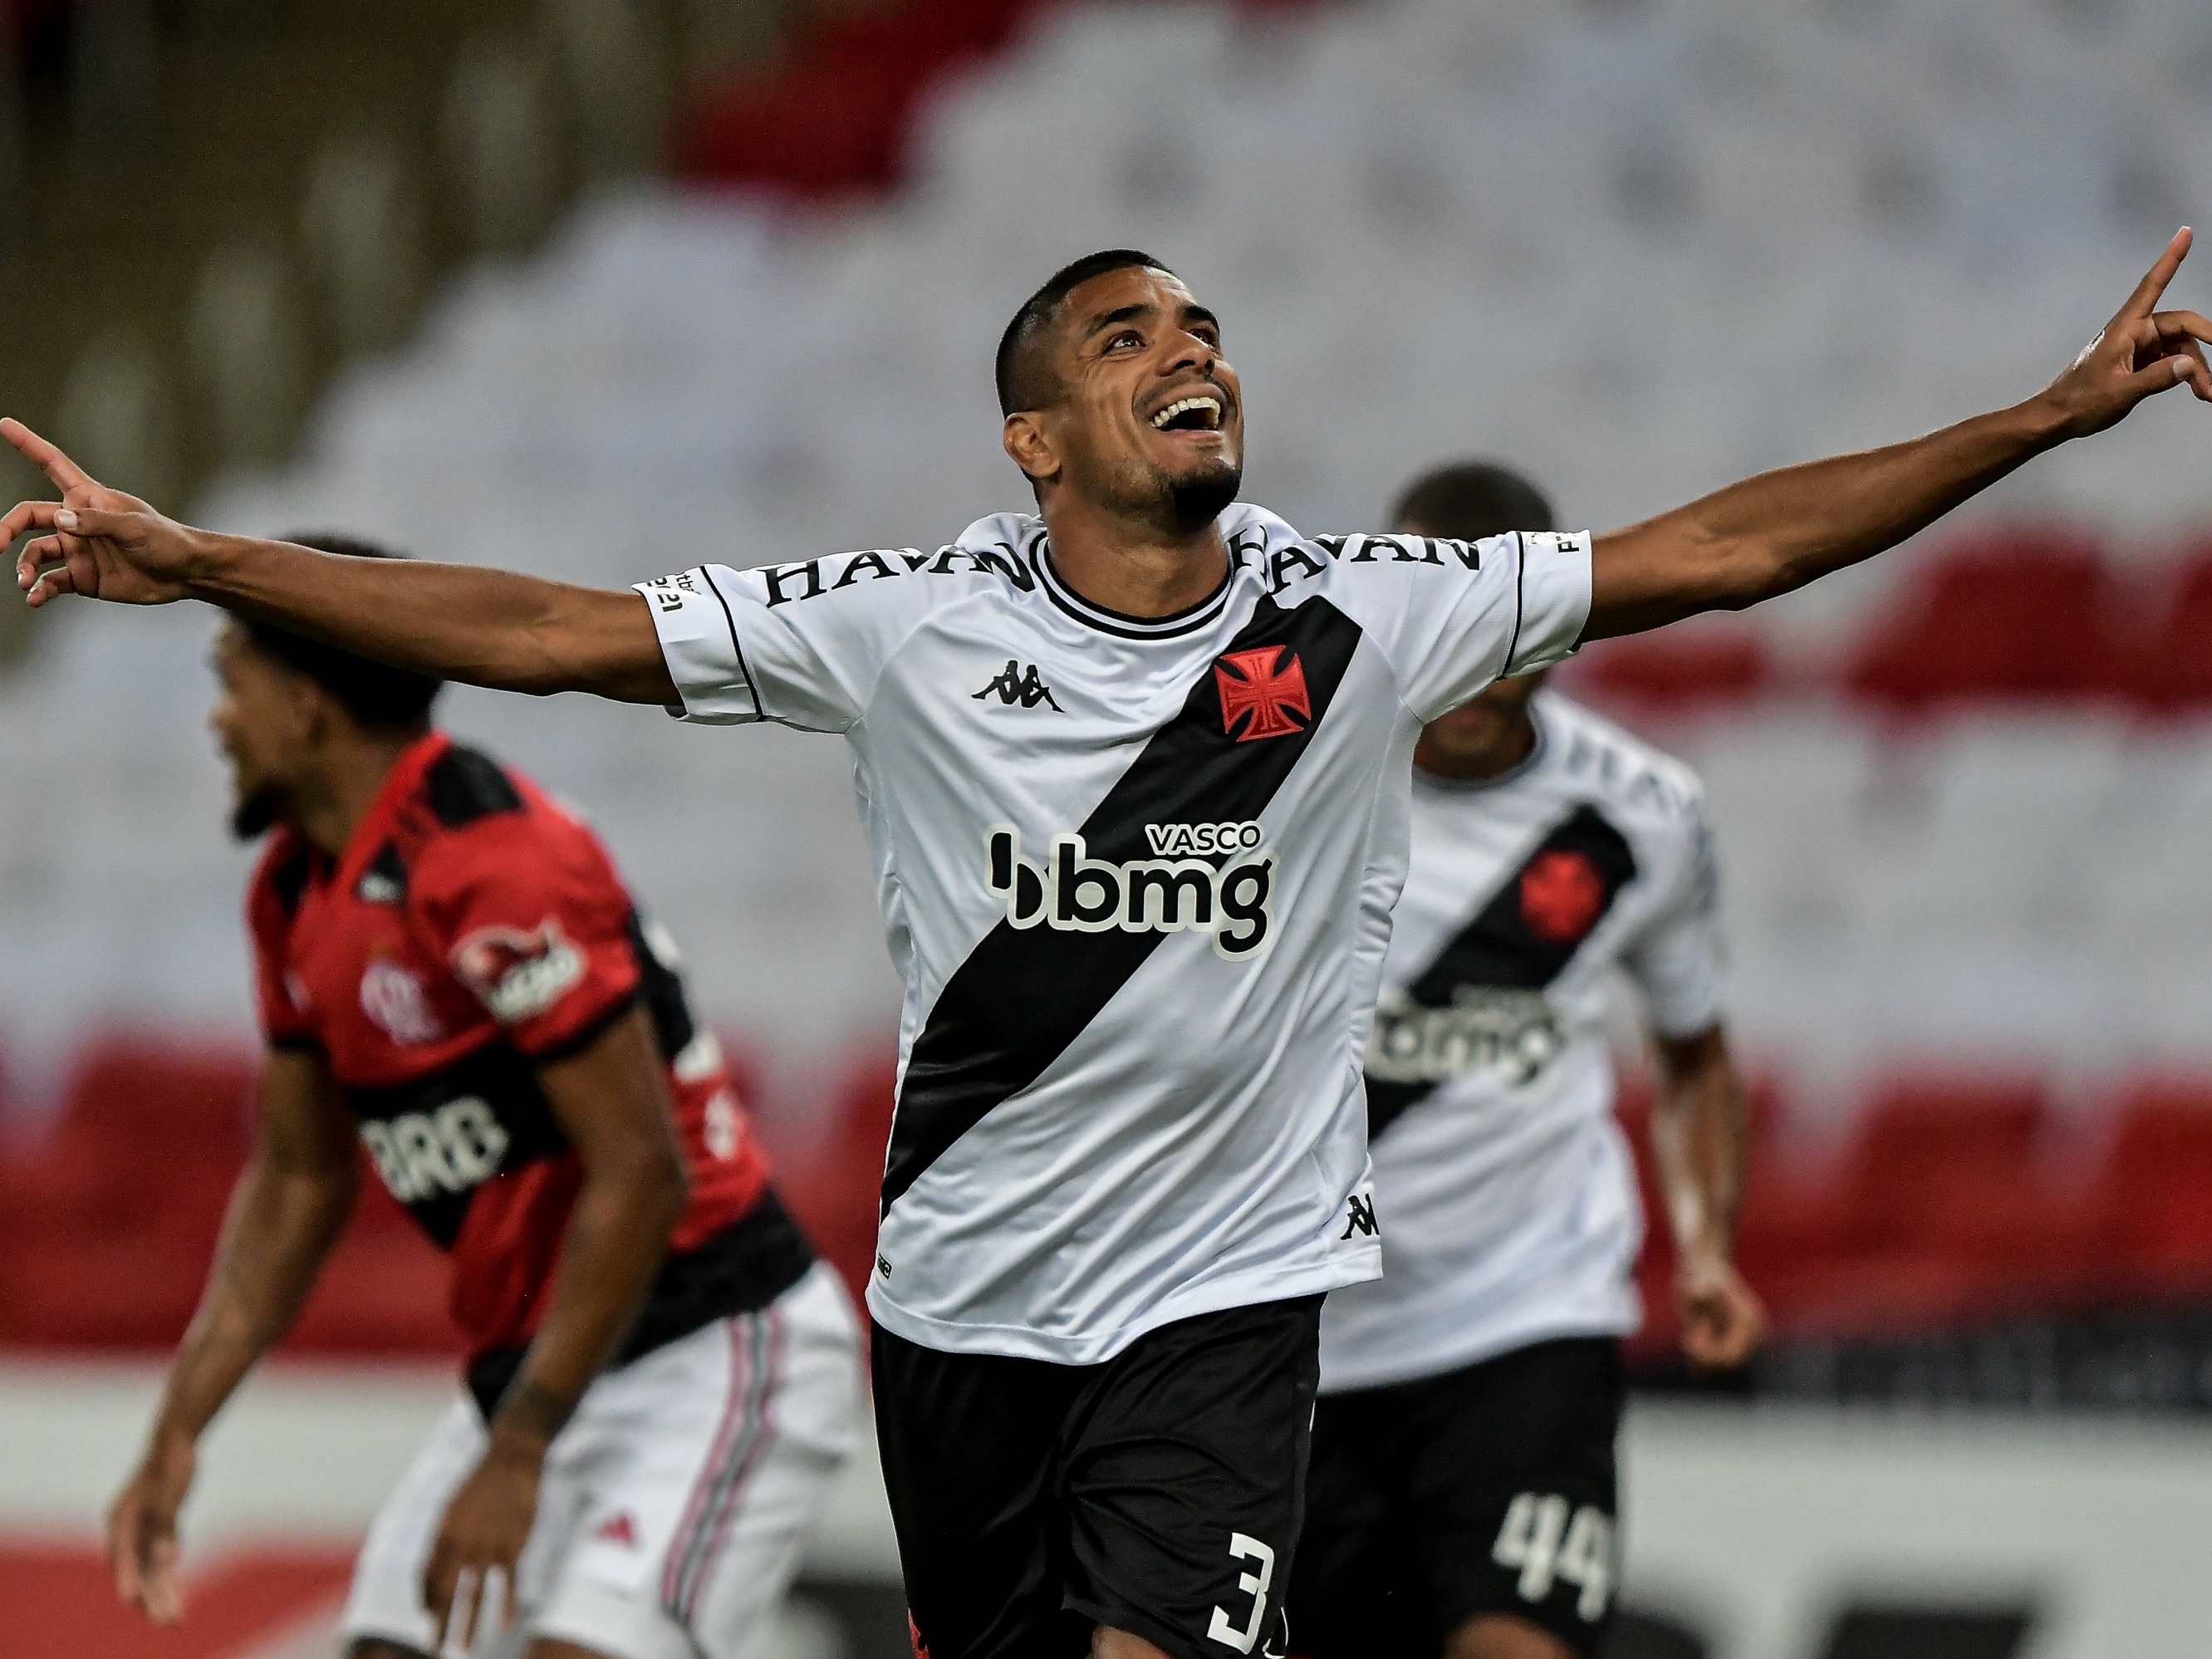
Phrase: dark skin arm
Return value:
(286, 1212)
(1700, 1122)
(1775, 533)
(611, 1100)
(1751, 542)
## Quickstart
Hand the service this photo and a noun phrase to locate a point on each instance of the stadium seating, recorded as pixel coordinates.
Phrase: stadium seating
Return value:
(1961, 799)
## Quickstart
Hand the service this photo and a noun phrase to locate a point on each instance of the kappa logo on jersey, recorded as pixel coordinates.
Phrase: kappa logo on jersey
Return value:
(1359, 1216)
(1013, 686)
(422, 1154)
(1264, 687)
(1076, 893)
(1512, 1035)
(1562, 894)
(519, 972)
(394, 998)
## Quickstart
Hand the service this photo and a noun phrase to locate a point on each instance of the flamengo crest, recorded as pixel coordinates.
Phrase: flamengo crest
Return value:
(1267, 683)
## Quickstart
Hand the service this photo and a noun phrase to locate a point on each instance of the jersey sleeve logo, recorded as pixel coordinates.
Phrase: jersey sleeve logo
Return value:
(1562, 894)
(1268, 686)
(519, 972)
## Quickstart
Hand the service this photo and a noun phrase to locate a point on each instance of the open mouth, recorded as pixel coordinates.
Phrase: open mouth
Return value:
(1197, 413)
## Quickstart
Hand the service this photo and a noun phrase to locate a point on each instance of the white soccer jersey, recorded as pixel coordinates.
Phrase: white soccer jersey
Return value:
(1137, 876)
(1500, 1172)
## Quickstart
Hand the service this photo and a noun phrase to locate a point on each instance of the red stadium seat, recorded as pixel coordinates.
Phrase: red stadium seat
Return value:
(2019, 613)
(118, 1209)
(2173, 669)
(834, 1191)
(2148, 1215)
(1675, 671)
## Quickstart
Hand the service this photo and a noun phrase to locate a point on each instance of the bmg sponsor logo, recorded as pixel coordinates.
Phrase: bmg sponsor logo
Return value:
(1073, 892)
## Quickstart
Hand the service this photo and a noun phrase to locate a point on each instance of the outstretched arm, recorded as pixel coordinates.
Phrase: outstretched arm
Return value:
(492, 628)
(1777, 532)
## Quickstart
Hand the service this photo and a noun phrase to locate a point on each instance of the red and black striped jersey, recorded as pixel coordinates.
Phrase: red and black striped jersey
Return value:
(472, 932)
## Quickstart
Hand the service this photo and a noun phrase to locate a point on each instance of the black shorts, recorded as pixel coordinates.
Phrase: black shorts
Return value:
(1158, 1493)
(1487, 1490)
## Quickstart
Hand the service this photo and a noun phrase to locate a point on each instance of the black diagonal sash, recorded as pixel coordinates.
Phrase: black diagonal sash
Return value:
(1500, 947)
(1024, 994)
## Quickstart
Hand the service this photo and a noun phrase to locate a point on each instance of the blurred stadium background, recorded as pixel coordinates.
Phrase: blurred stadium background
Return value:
(600, 288)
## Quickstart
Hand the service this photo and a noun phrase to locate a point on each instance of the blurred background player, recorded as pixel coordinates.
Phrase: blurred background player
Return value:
(661, 1380)
(1463, 1497)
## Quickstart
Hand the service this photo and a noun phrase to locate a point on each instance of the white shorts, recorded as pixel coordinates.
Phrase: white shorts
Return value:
(674, 1505)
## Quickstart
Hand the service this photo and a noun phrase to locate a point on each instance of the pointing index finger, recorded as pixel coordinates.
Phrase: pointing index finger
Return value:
(2145, 299)
(63, 473)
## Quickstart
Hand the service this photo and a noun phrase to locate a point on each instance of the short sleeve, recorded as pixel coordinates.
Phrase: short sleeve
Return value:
(799, 644)
(1466, 613)
(1678, 961)
(280, 1000)
(534, 925)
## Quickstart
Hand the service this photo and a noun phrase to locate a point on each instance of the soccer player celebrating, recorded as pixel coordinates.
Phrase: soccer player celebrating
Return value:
(1462, 1497)
(1141, 919)
(661, 1379)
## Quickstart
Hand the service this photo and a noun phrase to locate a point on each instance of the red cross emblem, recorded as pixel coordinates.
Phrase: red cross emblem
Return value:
(1561, 895)
(1260, 683)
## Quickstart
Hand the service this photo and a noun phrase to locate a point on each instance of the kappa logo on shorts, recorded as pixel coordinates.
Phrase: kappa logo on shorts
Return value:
(1263, 687)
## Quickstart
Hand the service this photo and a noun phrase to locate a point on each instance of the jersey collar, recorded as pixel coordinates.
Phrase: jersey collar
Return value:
(376, 823)
(1188, 620)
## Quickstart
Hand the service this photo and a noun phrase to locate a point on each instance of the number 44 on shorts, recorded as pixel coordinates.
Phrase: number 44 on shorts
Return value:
(1539, 1538)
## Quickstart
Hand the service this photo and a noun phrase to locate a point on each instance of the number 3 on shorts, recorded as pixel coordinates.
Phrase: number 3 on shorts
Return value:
(1243, 1547)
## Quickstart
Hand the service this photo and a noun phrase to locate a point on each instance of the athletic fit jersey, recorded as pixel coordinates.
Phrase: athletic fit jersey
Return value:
(1137, 876)
(1498, 1164)
(471, 933)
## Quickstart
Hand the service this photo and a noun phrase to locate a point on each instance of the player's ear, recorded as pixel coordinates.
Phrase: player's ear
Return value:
(1031, 447)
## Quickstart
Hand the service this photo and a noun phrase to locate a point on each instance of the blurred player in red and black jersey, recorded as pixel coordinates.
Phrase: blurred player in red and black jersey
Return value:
(661, 1378)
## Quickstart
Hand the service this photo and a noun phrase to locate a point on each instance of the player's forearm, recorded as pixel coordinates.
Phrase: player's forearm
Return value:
(279, 1231)
(618, 1236)
(1774, 533)
(480, 627)
(1699, 1124)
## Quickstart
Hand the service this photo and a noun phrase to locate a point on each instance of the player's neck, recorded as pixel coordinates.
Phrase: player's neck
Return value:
(1128, 565)
(1514, 741)
(328, 806)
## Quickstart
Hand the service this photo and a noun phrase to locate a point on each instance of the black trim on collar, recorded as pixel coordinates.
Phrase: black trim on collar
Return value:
(1188, 620)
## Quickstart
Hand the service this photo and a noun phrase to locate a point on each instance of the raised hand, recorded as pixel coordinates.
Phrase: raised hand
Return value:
(1723, 1321)
(2141, 352)
(141, 1528)
(104, 544)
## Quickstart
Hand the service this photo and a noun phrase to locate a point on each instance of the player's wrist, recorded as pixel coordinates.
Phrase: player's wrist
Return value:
(517, 1448)
(212, 563)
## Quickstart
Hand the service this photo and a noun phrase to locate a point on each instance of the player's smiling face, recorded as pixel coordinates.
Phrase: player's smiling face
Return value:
(1151, 416)
(260, 724)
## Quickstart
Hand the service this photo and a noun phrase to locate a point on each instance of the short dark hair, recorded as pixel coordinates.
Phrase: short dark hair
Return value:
(378, 697)
(1021, 384)
(1469, 500)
